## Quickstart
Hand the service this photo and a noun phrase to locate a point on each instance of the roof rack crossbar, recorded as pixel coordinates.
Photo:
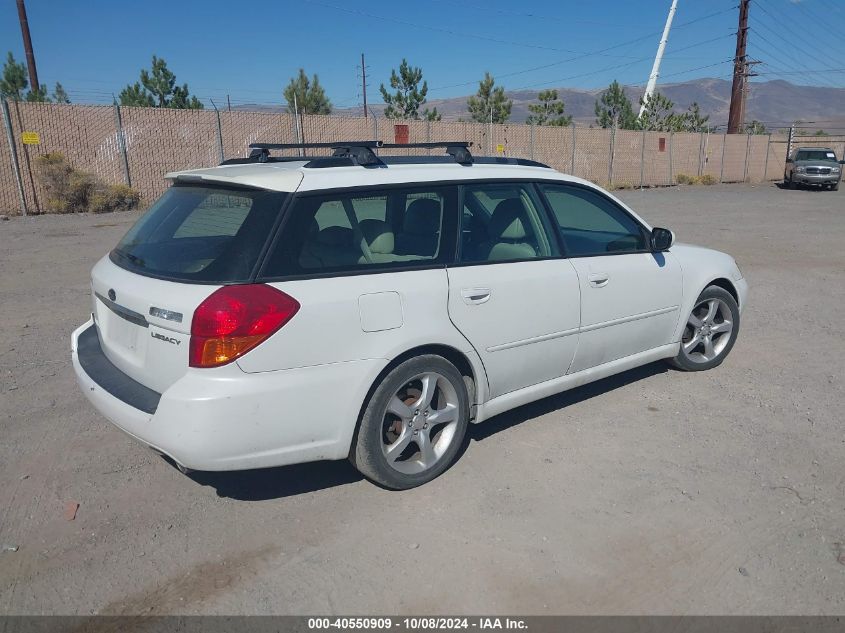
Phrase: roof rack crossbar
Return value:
(426, 145)
(459, 150)
(361, 152)
(358, 152)
(333, 145)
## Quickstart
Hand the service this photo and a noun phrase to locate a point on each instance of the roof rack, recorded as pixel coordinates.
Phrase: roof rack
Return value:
(362, 153)
(459, 150)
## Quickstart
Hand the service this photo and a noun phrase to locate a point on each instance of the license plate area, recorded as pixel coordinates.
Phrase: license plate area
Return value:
(122, 335)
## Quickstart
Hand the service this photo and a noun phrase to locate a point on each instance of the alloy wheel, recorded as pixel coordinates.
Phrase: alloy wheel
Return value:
(420, 422)
(708, 331)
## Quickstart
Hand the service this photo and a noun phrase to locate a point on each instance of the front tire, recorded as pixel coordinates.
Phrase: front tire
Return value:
(413, 425)
(834, 187)
(710, 332)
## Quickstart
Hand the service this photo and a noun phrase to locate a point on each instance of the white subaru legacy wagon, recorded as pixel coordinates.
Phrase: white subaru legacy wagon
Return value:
(283, 309)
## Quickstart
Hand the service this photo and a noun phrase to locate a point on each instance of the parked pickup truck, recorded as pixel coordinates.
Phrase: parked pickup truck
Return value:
(813, 166)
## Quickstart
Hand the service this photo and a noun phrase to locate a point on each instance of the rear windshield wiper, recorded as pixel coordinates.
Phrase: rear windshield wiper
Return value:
(132, 258)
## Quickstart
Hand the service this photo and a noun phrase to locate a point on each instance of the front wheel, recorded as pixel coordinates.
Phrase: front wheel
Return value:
(710, 331)
(834, 187)
(413, 425)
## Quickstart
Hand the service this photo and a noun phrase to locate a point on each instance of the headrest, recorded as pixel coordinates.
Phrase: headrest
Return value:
(335, 236)
(507, 221)
(422, 217)
(378, 235)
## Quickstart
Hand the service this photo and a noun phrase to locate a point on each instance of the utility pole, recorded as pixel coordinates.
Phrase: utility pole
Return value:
(27, 45)
(740, 72)
(364, 83)
(745, 83)
(655, 70)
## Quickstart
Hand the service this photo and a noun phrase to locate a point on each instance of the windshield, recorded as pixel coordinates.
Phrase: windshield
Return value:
(209, 234)
(816, 154)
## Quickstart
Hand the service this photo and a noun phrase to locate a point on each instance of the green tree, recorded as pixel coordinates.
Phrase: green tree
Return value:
(59, 94)
(310, 96)
(158, 88)
(658, 115)
(489, 102)
(38, 95)
(692, 120)
(614, 109)
(550, 110)
(136, 95)
(13, 83)
(409, 97)
(821, 133)
(755, 127)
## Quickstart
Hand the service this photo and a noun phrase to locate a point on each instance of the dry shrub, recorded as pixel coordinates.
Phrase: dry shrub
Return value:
(707, 179)
(114, 198)
(72, 191)
(683, 179)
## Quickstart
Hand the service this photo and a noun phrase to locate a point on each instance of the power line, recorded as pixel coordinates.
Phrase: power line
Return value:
(544, 18)
(819, 21)
(446, 30)
(779, 56)
(609, 48)
(813, 46)
(801, 72)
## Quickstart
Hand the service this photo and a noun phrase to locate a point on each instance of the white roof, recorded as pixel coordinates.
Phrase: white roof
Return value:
(293, 175)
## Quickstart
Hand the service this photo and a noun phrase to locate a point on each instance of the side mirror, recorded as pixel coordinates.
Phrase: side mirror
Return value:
(661, 239)
(842, 162)
(789, 160)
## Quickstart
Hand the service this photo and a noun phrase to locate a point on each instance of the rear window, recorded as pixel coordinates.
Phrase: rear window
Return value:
(201, 233)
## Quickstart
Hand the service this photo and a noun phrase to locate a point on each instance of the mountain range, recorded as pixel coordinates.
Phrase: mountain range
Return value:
(777, 103)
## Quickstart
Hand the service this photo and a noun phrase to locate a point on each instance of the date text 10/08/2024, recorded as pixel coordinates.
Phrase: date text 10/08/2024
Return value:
(416, 623)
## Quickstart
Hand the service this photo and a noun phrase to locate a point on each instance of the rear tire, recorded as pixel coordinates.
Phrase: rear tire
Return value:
(413, 425)
(710, 331)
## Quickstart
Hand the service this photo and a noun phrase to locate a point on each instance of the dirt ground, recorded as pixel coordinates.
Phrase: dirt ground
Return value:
(650, 492)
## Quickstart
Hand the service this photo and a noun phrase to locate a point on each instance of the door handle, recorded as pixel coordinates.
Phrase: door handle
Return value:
(476, 295)
(598, 280)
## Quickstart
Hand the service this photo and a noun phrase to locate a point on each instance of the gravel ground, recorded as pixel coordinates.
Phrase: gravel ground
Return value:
(650, 492)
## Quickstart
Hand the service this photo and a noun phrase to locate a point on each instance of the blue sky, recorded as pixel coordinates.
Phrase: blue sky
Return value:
(250, 50)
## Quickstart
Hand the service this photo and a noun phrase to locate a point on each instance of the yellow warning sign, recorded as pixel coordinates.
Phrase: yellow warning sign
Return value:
(30, 138)
(500, 148)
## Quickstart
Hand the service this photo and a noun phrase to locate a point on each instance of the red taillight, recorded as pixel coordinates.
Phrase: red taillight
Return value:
(234, 319)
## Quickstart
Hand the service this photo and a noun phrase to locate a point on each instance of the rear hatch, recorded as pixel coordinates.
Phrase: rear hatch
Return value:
(193, 240)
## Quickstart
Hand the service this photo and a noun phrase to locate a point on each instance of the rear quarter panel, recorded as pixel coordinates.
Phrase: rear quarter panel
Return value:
(362, 317)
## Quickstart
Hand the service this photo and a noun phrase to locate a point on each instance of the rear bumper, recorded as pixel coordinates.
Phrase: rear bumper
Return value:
(226, 419)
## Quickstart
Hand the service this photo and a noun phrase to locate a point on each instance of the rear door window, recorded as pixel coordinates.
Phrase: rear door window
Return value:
(504, 222)
(207, 234)
(360, 230)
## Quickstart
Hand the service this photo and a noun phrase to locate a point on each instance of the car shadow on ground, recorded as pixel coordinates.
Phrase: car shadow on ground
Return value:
(816, 188)
(288, 481)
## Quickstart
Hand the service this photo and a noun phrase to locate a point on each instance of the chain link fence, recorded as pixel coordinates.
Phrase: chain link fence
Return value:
(138, 146)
